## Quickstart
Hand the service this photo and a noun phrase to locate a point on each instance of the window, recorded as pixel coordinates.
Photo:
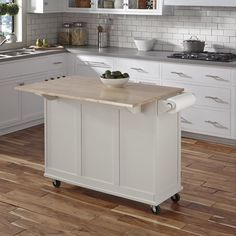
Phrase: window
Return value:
(6, 22)
(16, 24)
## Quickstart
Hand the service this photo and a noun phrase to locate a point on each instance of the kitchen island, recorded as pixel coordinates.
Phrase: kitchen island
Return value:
(121, 141)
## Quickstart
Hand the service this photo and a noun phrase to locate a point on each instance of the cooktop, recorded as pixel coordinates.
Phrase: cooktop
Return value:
(205, 56)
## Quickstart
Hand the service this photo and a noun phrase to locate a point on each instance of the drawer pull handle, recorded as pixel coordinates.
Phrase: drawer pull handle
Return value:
(97, 64)
(216, 99)
(140, 70)
(216, 124)
(180, 74)
(21, 84)
(217, 78)
(183, 120)
(57, 62)
(147, 83)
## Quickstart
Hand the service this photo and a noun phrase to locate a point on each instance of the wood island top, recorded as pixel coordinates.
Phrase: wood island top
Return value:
(92, 90)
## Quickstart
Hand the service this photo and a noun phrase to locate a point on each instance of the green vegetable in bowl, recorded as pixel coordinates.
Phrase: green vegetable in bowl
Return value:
(114, 75)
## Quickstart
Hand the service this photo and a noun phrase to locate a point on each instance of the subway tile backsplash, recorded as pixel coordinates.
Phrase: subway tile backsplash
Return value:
(217, 26)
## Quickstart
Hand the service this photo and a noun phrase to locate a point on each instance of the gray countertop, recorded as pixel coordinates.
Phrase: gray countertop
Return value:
(160, 56)
(132, 53)
(34, 54)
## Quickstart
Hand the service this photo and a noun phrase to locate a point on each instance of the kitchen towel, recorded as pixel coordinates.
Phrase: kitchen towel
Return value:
(180, 102)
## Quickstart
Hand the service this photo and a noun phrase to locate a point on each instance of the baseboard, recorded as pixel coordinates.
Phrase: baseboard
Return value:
(209, 138)
(20, 127)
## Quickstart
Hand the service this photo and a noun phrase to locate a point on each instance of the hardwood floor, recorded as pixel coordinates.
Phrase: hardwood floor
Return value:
(29, 205)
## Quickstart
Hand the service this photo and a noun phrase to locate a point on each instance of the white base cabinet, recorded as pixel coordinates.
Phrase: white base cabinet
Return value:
(21, 110)
(112, 150)
(214, 113)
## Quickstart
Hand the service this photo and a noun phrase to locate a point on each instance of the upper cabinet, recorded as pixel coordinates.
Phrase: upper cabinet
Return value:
(45, 6)
(209, 3)
(133, 7)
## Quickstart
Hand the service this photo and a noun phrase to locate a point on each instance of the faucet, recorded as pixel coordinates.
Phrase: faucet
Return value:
(3, 41)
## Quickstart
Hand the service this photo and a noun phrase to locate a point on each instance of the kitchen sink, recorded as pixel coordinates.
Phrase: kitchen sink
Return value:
(16, 53)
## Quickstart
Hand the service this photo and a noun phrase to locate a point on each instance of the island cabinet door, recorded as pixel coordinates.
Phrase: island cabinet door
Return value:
(63, 143)
(137, 152)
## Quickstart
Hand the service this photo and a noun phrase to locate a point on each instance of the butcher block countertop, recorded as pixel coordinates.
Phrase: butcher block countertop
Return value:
(92, 90)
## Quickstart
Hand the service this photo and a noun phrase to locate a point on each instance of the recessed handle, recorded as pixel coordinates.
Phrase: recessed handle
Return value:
(216, 124)
(140, 70)
(181, 74)
(183, 120)
(217, 78)
(216, 99)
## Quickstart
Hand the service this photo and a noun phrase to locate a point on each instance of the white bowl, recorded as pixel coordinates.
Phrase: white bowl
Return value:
(144, 44)
(115, 83)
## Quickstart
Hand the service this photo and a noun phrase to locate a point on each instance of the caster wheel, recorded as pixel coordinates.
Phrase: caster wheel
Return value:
(56, 183)
(156, 209)
(175, 198)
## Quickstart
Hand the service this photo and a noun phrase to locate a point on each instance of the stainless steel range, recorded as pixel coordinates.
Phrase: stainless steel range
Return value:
(205, 56)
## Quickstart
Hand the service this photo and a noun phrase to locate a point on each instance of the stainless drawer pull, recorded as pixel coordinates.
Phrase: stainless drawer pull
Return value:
(216, 99)
(97, 64)
(216, 124)
(57, 62)
(183, 120)
(180, 74)
(139, 70)
(217, 78)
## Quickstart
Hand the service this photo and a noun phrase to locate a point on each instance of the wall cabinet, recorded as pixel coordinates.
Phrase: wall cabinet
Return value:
(45, 6)
(134, 7)
(209, 3)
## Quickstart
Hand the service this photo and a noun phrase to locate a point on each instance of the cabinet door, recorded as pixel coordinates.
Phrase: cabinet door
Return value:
(9, 104)
(42, 6)
(209, 3)
(32, 105)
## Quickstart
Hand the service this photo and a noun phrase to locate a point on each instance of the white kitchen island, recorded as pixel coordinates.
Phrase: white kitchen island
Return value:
(120, 141)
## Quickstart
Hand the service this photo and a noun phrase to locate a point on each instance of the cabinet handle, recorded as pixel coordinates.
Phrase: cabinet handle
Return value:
(216, 124)
(216, 99)
(180, 74)
(147, 83)
(57, 62)
(217, 78)
(97, 64)
(183, 120)
(21, 84)
(46, 80)
(139, 70)
(52, 78)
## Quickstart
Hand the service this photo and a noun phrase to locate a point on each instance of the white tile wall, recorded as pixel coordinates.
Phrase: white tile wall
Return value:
(43, 26)
(217, 26)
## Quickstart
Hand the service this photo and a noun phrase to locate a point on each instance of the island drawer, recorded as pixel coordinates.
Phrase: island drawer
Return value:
(196, 74)
(206, 121)
(138, 69)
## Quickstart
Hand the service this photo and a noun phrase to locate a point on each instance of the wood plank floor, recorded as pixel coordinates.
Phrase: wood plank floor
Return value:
(29, 205)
